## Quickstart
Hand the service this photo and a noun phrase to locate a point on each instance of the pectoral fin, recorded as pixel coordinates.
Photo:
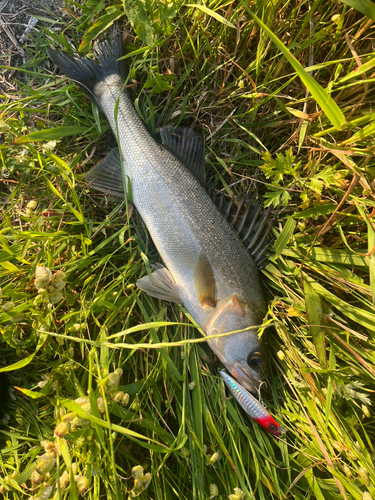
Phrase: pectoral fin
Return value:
(161, 285)
(204, 281)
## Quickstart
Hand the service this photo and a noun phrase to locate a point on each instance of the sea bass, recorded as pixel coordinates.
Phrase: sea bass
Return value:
(207, 267)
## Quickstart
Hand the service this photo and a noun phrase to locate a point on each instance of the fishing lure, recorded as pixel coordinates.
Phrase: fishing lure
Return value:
(251, 405)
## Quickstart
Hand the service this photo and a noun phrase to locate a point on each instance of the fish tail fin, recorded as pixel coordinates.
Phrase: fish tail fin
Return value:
(87, 73)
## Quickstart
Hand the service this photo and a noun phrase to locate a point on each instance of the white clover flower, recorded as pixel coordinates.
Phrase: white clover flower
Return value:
(214, 490)
(137, 471)
(8, 306)
(31, 205)
(61, 429)
(64, 479)
(82, 483)
(45, 463)
(55, 297)
(42, 276)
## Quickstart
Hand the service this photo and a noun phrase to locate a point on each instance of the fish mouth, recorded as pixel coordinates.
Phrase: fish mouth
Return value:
(248, 377)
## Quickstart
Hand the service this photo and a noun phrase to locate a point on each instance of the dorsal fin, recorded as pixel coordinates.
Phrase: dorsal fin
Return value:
(187, 146)
(106, 176)
(250, 221)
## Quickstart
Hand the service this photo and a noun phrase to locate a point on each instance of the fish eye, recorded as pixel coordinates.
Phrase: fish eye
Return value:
(254, 360)
(273, 428)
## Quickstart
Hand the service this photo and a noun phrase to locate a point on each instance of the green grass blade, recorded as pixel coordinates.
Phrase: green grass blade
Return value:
(366, 7)
(334, 256)
(284, 237)
(52, 134)
(331, 366)
(99, 26)
(24, 362)
(328, 105)
(371, 251)
(361, 316)
(367, 66)
(152, 444)
(314, 311)
(213, 14)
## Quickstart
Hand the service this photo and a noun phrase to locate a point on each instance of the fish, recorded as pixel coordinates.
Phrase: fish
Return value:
(206, 265)
(252, 406)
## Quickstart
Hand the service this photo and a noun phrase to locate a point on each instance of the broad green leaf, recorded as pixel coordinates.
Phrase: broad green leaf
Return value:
(137, 15)
(366, 7)
(9, 266)
(212, 13)
(328, 105)
(284, 237)
(25, 474)
(315, 211)
(275, 197)
(314, 311)
(30, 394)
(51, 134)
(103, 23)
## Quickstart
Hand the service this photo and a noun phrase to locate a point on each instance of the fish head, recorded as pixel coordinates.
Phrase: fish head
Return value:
(241, 352)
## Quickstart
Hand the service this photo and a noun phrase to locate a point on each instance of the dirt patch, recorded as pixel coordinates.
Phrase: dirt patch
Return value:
(16, 21)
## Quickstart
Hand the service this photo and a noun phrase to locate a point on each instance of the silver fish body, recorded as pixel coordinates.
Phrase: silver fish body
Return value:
(209, 269)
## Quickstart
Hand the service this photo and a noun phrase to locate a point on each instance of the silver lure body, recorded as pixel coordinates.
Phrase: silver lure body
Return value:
(251, 405)
(188, 230)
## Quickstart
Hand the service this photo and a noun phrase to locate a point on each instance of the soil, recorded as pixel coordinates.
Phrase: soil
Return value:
(14, 18)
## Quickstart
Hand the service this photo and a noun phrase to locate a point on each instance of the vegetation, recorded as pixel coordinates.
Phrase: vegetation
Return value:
(116, 394)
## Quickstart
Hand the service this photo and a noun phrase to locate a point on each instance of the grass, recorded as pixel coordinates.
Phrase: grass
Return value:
(69, 428)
